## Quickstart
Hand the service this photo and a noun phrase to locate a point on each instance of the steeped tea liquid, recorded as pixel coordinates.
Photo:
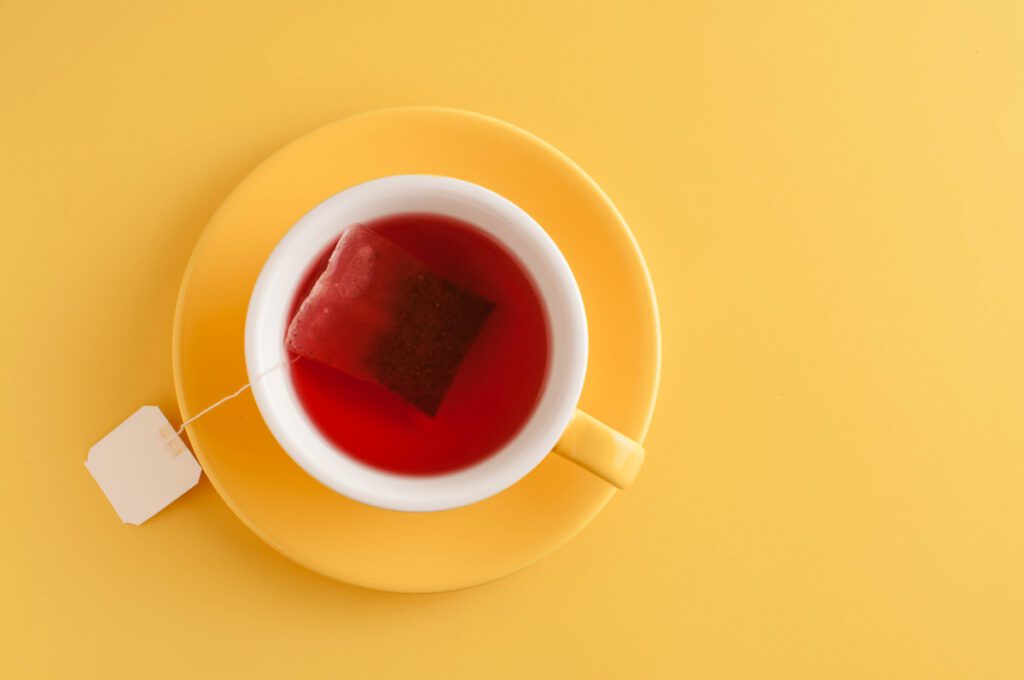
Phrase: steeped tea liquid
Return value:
(423, 344)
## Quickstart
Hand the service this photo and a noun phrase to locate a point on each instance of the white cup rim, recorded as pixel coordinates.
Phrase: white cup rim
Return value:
(271, 300)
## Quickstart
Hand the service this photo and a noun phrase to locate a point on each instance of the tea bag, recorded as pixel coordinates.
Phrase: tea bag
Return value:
(380, 315)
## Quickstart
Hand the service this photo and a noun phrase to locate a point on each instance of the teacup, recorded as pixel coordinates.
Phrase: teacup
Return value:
(555, 423)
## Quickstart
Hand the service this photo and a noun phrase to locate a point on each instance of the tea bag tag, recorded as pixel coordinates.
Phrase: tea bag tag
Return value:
(142, 466)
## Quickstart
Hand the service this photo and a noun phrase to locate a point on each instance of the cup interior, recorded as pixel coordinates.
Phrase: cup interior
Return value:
(286, 268)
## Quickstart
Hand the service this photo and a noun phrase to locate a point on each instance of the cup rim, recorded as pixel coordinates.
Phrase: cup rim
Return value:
(272, 296)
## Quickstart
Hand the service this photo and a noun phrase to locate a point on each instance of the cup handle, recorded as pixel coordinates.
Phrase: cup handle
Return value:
(610, 455)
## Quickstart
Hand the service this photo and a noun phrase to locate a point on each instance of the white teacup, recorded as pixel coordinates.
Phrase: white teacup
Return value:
(555, 424)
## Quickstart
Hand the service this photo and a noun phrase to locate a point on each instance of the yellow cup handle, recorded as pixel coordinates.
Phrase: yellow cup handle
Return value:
(610, 455)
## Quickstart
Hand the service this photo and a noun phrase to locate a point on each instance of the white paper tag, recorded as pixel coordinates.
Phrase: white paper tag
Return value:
(142, 466)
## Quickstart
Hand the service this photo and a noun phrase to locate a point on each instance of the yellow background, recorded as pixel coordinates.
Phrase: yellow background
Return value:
(829, 198)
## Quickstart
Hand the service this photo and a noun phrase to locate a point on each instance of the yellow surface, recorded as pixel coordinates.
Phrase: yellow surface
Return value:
(344, 539)
(829, 198)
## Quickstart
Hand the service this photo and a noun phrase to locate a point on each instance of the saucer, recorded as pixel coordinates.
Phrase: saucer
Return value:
(329, 533)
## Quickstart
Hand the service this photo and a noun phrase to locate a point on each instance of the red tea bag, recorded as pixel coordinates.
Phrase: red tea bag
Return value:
(379, 314)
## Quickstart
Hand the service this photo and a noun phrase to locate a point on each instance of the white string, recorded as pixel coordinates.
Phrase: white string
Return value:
(231, 396)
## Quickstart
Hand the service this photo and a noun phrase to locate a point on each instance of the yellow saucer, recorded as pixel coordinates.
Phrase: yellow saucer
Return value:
(329, 533)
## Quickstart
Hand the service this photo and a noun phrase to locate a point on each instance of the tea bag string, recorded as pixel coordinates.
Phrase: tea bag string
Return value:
(243, 388)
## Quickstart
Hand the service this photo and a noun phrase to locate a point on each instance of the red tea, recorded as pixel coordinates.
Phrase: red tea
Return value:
(487, 396)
